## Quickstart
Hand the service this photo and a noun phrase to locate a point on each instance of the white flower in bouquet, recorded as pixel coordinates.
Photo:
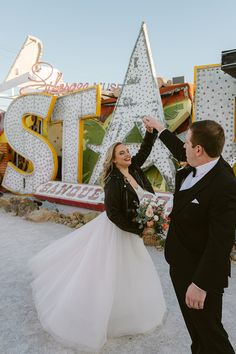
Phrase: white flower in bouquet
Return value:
(145, 201)
(149, 212)
(156, 218)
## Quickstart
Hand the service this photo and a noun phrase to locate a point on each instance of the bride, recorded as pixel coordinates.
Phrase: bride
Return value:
(99, 281)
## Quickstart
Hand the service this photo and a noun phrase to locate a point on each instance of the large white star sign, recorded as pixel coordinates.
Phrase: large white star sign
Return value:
(140, 96)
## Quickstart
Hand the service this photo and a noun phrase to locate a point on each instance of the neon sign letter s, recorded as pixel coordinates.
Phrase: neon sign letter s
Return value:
(29, 144)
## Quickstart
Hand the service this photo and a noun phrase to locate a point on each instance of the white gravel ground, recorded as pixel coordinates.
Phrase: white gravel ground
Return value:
(20, 330)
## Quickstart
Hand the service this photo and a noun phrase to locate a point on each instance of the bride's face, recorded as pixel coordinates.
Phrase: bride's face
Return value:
(122, 157)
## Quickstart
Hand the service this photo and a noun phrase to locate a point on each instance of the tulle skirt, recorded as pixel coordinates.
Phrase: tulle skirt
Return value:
(97, 282)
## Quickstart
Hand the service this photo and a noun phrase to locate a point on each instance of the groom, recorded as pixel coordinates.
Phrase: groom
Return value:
(202, 231)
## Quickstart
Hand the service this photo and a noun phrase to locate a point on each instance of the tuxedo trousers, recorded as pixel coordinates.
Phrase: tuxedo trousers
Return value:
(204, 326)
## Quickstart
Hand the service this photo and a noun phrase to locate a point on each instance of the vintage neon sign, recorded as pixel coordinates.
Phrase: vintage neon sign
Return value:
(44, 78)
(85, 195)
(140, 96)
(71, 110)
(215, 98)
(29, 144)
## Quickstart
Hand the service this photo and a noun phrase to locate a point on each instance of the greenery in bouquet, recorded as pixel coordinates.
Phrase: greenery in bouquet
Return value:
(152, 211)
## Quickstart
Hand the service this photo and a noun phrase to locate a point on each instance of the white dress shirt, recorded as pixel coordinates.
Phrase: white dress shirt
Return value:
(201, 171)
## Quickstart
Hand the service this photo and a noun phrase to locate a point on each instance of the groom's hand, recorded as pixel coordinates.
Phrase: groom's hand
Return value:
(195, 297)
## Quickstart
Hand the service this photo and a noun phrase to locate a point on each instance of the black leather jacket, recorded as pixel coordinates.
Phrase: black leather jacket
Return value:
(121, 200)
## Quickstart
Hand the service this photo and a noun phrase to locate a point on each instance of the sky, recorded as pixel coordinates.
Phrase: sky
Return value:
(92, 41)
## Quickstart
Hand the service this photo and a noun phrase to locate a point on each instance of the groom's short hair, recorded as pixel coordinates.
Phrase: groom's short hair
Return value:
(210, 135)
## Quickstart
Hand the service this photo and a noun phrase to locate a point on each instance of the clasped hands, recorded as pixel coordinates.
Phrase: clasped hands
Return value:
(152, 123)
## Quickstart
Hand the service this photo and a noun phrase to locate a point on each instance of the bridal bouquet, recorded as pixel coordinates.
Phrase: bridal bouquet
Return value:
(152, 212)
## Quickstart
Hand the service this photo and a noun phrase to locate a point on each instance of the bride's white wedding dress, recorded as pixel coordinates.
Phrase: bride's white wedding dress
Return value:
(94, 283)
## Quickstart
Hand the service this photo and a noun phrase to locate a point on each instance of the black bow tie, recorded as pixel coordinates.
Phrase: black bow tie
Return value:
(193, 170)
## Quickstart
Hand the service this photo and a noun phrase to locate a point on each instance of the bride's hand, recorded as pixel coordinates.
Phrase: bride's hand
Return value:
(149, 129)
(150, 223)
(148, 231)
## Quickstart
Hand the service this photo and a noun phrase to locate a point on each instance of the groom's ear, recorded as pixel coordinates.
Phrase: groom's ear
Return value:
(199, 150)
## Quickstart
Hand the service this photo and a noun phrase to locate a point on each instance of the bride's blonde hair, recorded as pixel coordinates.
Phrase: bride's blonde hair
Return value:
(108, 163)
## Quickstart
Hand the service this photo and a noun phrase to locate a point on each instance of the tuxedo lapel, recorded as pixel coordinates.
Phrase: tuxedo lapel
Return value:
(180, 177)
(181, 198)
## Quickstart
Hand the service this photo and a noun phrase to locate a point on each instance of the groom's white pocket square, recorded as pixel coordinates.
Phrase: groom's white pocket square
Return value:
(195, 201)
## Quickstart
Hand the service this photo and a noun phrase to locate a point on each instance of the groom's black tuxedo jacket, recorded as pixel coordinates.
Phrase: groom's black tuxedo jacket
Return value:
(201, 235)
